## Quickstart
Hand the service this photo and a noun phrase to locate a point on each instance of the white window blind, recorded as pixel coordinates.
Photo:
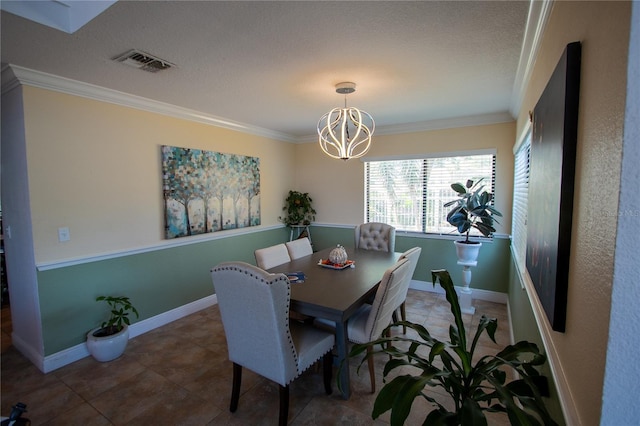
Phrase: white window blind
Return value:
(410, 194)
(520, 203)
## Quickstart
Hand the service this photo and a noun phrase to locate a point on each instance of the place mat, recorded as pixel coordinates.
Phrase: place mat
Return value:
(339, 266)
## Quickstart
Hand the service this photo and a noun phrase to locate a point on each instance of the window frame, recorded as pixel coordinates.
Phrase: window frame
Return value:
(452, 234)
(520, 203)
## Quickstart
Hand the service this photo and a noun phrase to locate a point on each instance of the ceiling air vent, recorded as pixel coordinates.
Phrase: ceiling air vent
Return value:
(144, 61)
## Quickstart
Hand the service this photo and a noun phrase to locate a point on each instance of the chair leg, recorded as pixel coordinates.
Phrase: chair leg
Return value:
(284, 405)
(235, 391)
(327, 370)
(372, 373)
(403, 313)
(388, 344)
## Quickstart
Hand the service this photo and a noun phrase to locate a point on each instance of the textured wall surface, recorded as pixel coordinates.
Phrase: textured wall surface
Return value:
(623, 370)
(603, 29)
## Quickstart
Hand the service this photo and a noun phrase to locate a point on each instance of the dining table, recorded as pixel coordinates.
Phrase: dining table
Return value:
(335, 293)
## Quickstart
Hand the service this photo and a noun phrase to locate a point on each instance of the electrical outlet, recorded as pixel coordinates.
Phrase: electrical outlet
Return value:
(63, 234)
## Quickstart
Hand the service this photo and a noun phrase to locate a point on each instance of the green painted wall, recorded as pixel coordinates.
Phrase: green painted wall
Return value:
(156, 281)
(524, 327)
(492, 272)
(162, 280)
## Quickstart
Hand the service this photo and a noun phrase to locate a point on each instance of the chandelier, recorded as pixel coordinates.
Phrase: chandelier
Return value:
(345, 133)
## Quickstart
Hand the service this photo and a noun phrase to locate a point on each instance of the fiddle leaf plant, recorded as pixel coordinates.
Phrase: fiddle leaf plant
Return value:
(472, 209)
(473, 387)
(299, 209)
(119, 315)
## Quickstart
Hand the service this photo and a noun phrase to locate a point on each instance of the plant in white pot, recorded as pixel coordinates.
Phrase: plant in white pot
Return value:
(472, 209)
(108, 342)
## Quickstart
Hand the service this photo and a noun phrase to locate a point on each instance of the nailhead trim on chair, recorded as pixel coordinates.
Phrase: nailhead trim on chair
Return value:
(278, 277)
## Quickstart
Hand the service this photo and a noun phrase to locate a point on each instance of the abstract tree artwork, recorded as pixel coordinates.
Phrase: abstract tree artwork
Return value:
(206, 191)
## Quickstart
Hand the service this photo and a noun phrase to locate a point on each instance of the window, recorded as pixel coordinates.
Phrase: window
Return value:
(410, 193)
(520, 197)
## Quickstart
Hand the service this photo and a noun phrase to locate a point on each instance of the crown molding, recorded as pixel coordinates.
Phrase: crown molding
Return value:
(539, 12)
(13, 75)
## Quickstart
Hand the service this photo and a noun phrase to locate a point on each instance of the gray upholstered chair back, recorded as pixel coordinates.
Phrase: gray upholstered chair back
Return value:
(268, 257)
(254, 306)
(299, 248)
(384, 304)
(369, 321)
(375, 236)
(413, 254)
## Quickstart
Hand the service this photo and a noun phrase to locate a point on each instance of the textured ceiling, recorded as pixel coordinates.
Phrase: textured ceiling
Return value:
(274, 64)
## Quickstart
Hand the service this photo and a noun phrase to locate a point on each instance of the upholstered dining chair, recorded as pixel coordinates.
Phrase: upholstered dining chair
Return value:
(265, 341)
(369, 321)
(299, 248)
(268, 257)
(375, 236)
(413, 254)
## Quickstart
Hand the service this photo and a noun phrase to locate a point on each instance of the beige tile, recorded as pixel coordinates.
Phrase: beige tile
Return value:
(259, 405)
(89, 378)
(81, 415)
(44, 402)
(149, 395)
(334, 411)
(214, 386)
(180, 374)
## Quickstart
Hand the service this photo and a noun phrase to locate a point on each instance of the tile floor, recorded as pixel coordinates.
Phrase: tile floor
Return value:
(179, 374)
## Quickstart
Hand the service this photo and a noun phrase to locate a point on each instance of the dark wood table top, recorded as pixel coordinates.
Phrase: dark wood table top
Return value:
(336, 294)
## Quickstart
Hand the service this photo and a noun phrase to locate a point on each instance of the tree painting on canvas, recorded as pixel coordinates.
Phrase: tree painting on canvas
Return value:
(206, 191)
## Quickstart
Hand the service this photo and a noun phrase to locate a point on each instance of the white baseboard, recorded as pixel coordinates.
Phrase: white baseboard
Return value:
(27, 351)
(60, 359)
(486, 295)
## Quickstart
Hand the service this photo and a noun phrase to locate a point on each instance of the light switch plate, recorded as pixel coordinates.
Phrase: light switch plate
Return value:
(63, 234)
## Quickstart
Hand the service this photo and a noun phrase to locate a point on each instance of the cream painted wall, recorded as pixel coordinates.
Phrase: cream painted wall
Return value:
(603, 29)
(95, 167)
(337, 187)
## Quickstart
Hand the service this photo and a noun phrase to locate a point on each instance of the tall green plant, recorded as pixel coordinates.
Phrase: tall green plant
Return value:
(473, 387)
(472, 209)
(298, 208)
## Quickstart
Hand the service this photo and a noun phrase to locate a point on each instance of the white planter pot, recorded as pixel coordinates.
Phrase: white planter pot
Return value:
(107, 348)
(467, 252)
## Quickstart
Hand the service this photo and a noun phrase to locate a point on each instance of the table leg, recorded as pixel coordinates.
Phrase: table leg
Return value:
(342, 346)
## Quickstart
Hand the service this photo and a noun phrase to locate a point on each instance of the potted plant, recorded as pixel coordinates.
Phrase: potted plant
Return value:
(298, 208)
(474, 387)
(109, 341)
(472, 209)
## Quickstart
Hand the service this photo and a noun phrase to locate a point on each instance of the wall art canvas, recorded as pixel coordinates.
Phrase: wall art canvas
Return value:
(206, 191)
(551, 182)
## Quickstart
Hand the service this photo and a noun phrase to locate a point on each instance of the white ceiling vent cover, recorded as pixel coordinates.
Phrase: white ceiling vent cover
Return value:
(144, 61)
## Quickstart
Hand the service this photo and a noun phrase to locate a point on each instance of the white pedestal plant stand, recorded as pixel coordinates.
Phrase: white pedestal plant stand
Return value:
(465, 292)
(467, 257)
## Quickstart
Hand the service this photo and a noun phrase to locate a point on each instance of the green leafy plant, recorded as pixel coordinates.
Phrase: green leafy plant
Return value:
(298, 208)
(472, 209)
(473, 387)
(120, 309)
